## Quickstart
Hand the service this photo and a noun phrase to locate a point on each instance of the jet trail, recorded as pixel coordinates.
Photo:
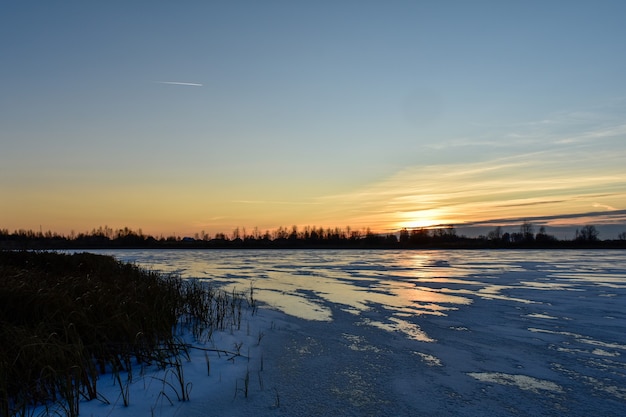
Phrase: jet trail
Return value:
(179, 83)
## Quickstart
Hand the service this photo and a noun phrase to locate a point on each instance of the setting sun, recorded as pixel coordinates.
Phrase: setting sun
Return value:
(422, 218)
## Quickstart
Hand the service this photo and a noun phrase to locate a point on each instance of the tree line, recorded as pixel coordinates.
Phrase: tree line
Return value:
(309, 237)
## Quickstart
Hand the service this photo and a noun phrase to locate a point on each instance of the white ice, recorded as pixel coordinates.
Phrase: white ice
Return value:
(471, 333)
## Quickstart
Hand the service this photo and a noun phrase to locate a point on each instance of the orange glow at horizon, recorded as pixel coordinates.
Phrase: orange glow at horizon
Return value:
(422, 219)
(416, 197)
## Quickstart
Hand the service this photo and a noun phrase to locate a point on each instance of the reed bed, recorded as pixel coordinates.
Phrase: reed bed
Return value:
(66, 319)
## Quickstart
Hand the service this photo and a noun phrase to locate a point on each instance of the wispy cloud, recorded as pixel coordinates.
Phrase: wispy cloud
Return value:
(179, 83)
(532, 203)
(587, 126)
(534, 185)
(275, 202)
(604, 206)
(602, 217)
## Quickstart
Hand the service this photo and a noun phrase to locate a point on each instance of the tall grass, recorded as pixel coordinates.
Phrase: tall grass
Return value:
(65, 319)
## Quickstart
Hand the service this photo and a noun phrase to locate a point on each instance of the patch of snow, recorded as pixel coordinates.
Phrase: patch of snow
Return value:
(524, 382)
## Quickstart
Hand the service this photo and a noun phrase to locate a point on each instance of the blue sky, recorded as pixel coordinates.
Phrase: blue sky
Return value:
(331, 113)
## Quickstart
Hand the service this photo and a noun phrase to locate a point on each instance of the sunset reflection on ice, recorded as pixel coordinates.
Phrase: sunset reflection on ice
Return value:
(545, 326)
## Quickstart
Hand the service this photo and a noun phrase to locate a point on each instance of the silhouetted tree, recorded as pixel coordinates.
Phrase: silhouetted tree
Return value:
(419, 236)
(517, 237)
(495, 234)
(293, 236)
(355, 235)
(404, 235)
(221, 237)
(588, 233)
(281, 234)
(527, 231)
(391, 239)
(543, 237)
(445, 234)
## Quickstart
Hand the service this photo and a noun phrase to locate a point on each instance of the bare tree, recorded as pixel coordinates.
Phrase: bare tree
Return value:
(527, 231)
(495, 234)
(588, 233)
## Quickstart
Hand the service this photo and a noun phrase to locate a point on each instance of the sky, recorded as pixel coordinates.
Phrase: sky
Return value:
(182, 117)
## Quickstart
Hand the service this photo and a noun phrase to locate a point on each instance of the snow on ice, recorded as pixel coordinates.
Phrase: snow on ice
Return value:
(399, 333)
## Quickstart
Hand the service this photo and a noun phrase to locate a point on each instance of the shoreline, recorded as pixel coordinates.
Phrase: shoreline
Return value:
(223, 376)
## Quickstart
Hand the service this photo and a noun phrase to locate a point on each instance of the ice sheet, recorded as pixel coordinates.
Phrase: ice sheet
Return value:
(437, 333)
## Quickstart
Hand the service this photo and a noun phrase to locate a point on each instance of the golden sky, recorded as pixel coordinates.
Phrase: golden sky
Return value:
(215, 116)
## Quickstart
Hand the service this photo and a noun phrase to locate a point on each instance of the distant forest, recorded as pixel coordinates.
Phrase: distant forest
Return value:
(309, 238)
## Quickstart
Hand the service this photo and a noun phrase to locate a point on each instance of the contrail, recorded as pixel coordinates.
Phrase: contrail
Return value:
(179, 83)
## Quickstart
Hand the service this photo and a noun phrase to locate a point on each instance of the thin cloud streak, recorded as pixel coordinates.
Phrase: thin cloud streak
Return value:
(616, 216)
(560, 129)
(533, 203)
(270, 202)
(180, 83)
(533, 185)
(604, 206)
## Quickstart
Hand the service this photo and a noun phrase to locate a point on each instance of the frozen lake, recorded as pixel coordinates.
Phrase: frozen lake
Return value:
(435, 333)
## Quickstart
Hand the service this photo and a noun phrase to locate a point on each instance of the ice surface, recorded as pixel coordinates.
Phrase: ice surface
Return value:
(404, 333)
